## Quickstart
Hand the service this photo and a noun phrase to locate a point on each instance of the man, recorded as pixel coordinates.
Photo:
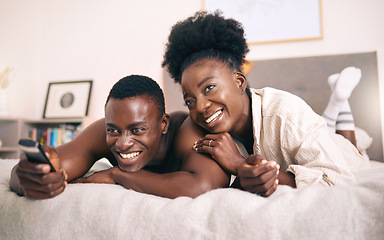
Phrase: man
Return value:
(150, 150)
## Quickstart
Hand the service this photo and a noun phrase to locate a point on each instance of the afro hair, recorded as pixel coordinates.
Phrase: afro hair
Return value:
(204, 36)
(137, 85)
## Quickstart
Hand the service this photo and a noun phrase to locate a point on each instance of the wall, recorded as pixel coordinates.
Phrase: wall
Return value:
(19, 48)
(52, 40)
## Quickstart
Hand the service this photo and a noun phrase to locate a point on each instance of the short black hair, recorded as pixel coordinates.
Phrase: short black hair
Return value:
(204, 36)
(138, 85)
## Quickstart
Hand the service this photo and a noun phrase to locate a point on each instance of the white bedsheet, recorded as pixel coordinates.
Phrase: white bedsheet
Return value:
(98, 211)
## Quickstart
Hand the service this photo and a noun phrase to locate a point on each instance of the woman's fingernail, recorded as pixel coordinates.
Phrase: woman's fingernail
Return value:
(277, 181)
(264, 161)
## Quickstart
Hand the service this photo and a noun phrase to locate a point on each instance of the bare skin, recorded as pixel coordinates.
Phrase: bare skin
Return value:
(131, 137)
(348, 134)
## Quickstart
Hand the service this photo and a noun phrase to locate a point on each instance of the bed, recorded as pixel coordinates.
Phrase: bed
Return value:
(101, 211)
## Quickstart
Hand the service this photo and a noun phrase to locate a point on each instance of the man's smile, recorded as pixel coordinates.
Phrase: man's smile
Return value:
(129, 155)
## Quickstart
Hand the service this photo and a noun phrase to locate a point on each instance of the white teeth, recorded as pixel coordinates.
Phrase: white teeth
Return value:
(129, 155)
(211, 118)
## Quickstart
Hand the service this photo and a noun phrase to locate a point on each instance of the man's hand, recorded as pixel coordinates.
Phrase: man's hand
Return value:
(222, 148)
(35, 180)
(258, 175)
(104, 176)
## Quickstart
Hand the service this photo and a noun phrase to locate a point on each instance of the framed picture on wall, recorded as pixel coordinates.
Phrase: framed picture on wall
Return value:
(267, 21)
(67, 99)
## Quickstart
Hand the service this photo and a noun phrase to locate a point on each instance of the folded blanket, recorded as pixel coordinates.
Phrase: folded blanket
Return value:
(100, 211)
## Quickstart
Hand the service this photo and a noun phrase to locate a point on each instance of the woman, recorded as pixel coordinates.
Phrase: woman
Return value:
(266, 137)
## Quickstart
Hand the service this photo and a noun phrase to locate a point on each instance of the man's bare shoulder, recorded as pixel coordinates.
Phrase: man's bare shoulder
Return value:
(90, 143)
(188, 134)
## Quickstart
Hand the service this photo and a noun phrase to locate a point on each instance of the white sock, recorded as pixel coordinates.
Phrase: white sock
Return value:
(347, 81)
(345, 119)
(332, 80)
(331, 112)
(338, 113)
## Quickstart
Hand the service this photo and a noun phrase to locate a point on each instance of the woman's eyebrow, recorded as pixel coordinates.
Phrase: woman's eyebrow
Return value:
(204, 81)
(199, 84)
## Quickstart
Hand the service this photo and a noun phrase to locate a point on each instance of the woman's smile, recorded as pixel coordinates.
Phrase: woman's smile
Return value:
(214, 117)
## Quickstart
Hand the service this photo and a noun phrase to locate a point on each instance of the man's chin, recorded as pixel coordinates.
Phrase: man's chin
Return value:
(129, 169)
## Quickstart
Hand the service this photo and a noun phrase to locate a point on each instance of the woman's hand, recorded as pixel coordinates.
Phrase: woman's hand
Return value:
(222, 148)
(104, 176)
(258, 175)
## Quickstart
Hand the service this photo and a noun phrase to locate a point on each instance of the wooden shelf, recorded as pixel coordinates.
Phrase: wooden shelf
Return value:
(8, 149)
(12, 129)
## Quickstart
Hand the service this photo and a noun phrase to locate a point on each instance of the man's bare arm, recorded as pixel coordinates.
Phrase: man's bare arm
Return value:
(199, 173)
(171, 185)
(76, 158)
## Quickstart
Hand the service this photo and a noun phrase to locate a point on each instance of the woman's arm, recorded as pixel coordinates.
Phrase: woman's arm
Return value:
(254, 173)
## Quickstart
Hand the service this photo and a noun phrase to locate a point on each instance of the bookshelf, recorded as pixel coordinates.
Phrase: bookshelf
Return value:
(12, 129)
(9, 136)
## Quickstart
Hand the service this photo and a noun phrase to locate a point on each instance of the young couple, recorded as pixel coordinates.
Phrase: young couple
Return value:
(264, 137)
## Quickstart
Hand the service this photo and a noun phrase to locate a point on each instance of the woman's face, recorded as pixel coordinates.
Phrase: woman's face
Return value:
(215, 96)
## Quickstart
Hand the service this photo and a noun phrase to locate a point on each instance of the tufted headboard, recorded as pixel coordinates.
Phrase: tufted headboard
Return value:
(307, 78)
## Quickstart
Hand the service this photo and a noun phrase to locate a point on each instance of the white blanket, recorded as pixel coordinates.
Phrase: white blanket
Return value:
(98, 211)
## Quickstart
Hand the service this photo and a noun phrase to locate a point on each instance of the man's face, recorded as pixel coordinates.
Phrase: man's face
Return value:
(134, 131)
